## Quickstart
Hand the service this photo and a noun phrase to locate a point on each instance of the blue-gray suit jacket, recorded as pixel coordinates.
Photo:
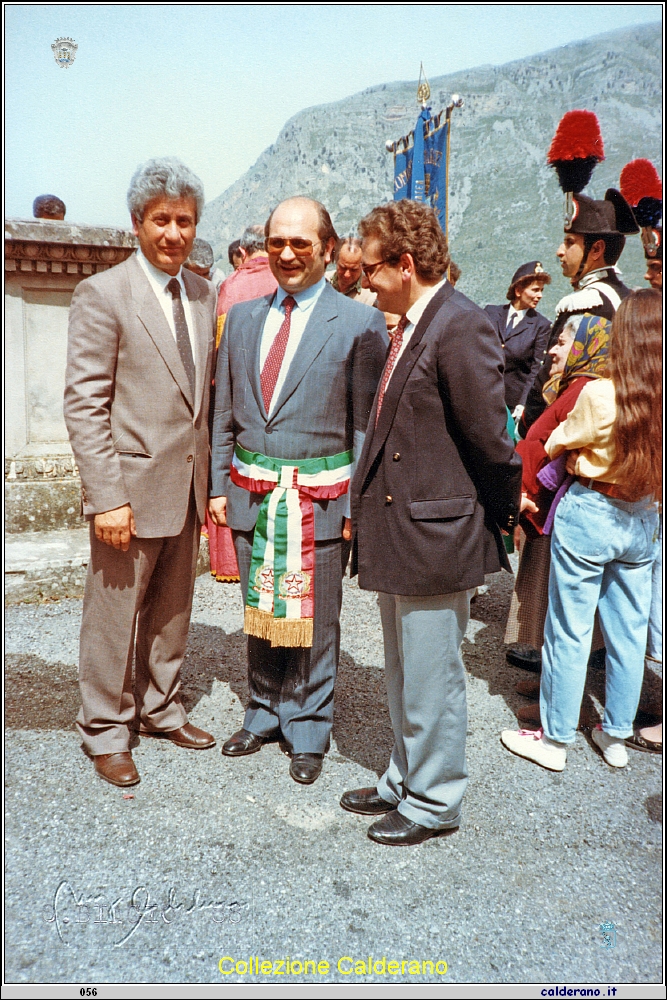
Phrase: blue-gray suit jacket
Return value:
(323, 407)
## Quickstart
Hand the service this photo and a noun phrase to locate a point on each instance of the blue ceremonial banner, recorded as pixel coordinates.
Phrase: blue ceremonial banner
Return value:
(420, 163)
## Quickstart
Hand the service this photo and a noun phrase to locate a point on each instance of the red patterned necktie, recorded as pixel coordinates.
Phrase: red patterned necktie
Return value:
(396, 342)
(276, 355)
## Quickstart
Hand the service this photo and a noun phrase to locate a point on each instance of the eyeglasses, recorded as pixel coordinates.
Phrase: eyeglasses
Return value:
(300, 247)
(370, 269)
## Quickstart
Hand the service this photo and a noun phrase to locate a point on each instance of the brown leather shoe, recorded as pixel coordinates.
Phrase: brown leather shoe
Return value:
(117, 768)
(529, 689)
(187, 736)
(529, 713)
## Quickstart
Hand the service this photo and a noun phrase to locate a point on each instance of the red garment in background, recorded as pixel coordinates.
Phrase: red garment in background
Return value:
(250, 281)
(534, 457)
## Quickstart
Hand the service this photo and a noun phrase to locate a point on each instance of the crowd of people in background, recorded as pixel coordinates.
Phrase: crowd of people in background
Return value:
(364, 412)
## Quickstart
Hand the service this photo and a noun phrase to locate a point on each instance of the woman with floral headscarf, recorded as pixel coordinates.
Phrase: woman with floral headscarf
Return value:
(578, 356)
(604, 542)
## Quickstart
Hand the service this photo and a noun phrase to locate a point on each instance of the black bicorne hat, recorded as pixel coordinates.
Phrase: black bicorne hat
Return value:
(533, 269)
(611, 217)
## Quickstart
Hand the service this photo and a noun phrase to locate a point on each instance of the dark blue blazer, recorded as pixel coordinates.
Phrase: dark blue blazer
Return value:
(523, 349)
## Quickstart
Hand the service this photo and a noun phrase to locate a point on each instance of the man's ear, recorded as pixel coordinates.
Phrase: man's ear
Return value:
(135, 225)
(598, 249)
(407, 265)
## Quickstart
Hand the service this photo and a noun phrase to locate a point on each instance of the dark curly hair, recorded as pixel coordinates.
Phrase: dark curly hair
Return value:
(409, 227)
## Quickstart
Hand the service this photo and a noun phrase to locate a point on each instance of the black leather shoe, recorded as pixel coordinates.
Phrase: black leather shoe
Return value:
(365, 801)
(242, 743)
(306, 767)
(397, 831)
(521, 655)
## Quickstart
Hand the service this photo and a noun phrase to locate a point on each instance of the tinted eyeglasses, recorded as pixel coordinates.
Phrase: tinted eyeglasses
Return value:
(370, 269)
(299, 247)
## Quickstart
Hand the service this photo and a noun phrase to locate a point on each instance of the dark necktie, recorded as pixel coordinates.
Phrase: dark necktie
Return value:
(396, 342)
(276, 355)
(510, 323)
(182, 335)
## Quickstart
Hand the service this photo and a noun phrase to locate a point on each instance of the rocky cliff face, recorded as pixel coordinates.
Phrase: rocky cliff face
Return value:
(505, 203)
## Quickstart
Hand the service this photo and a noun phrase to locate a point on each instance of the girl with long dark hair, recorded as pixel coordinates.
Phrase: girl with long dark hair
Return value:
(604, 541)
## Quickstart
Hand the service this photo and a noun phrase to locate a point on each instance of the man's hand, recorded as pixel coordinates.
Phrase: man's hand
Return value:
(116, 527)
(217, 509)
(347, 529)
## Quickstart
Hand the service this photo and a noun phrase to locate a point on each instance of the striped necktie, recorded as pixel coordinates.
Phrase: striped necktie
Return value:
(396, 343)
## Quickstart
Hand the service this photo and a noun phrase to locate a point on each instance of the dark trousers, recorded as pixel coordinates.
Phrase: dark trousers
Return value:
(292, 689)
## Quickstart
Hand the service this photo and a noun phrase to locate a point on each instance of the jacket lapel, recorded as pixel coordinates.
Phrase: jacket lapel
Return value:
(203, 337)
(152, 317)
(317, 332)
(400, 376)
(252, 342)
(521, 327)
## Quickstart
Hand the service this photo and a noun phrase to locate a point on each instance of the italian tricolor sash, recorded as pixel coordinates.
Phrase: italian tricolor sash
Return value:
(280, 601)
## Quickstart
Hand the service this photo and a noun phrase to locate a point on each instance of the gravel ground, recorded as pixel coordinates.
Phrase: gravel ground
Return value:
(211, 857)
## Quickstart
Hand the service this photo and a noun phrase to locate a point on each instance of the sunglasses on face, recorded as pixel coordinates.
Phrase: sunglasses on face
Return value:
(300, 247)
(370, 269)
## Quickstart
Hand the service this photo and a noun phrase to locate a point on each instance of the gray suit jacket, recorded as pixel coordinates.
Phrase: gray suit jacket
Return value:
(323, 407)
(137, 433)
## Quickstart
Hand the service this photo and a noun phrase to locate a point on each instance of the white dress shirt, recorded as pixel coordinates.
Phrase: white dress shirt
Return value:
(301, 313)
(158, 281)
(413, 315)
(512, 313)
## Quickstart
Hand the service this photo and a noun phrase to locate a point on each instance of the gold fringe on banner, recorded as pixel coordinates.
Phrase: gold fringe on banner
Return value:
(278, 631)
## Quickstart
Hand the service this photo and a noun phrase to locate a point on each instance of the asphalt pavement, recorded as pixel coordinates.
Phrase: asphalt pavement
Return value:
(551, 877)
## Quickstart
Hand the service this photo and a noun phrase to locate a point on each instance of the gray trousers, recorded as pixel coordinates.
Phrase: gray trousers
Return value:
(426, 688)
(292, 689)
(145, 592)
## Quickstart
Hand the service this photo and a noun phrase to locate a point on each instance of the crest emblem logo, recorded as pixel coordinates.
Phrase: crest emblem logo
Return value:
(294, 584)
(264, 579)
(64, 51)
(538, 268)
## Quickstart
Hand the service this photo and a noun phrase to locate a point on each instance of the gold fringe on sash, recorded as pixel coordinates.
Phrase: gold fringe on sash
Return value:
(278, 631)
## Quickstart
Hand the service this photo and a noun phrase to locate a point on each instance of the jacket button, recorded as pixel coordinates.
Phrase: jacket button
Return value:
(189, 458)
(388, 499)
(397, 456)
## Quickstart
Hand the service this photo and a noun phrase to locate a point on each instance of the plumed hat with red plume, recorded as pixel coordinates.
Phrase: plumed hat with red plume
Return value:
(642, 189)
(576, 149)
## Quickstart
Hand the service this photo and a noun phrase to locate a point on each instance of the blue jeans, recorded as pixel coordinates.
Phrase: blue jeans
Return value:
(602, 554)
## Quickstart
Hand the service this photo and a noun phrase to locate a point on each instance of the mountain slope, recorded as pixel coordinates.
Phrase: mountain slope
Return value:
(505, 203)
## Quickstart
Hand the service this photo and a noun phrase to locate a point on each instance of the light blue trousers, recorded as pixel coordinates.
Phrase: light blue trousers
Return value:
(602, 554)
(426, 689)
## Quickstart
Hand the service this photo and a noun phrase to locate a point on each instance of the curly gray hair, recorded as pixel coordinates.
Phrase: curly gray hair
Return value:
(160, 177)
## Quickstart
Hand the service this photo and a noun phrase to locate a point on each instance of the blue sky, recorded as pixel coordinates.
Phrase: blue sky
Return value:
(214, 84)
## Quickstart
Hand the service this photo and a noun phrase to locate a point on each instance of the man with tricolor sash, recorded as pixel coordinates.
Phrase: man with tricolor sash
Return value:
(296, 376)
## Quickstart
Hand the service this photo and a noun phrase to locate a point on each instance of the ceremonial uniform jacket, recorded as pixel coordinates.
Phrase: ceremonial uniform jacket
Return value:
(523, 350)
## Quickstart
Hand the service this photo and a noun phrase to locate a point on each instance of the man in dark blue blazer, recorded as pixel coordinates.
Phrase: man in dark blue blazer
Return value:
(437, 482)
(523, 333)
(295, 381)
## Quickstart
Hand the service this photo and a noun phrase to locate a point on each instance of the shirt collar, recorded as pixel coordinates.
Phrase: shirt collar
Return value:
(159, 277)
(598, 275)
(417, 309)
(304, 299)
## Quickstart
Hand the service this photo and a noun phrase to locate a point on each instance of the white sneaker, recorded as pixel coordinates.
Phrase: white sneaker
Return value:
(613, 749)
(535, 746)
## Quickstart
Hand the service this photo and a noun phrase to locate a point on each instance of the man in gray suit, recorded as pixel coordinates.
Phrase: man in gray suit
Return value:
(295, 381)
(140, 350)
